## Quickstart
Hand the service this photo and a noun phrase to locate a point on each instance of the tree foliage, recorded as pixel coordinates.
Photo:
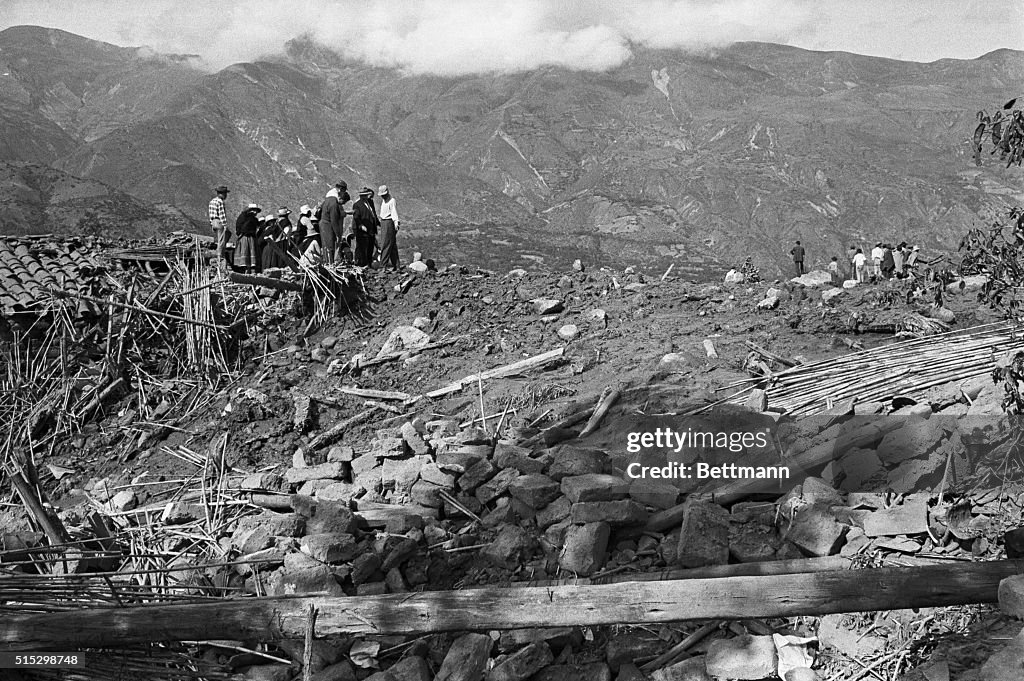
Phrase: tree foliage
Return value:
(998, 253)
(1004, 130)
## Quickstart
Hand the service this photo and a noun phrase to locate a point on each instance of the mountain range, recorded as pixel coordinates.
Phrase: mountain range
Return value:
(672, 157)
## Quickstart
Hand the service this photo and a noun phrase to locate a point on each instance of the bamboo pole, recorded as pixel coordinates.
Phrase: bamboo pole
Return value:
(138, 308)
(733, 598)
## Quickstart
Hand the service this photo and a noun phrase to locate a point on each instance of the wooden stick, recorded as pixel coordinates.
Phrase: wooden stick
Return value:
(483, 411)
(734, 598)
(667, 271)
(770, 355)
(336, 432)
(672, 654)
(307, 650)
(375, 394)
(499, 372)
(268, 282)
(599, 413)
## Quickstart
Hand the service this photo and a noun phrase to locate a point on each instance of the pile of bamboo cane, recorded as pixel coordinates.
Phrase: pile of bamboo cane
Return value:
(908, 368)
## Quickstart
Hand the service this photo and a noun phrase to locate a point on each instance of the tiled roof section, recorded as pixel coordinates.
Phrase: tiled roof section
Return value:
(30, 267)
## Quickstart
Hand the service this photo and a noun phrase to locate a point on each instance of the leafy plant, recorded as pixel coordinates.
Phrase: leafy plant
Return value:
(1005, 129)
(998, 253)
(1010, 371)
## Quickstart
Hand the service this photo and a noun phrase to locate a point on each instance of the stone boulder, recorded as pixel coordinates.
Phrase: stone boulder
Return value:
(813, 279)
(403, 338)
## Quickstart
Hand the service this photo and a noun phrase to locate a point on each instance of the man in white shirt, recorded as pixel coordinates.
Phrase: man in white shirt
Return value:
(876, 260)
(860, 267)
(389, 224)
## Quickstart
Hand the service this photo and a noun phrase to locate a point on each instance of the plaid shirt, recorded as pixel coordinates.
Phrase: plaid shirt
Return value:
(216, 212)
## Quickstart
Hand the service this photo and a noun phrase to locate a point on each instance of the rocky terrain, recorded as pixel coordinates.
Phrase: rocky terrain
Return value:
(698, 159)
(366, 459)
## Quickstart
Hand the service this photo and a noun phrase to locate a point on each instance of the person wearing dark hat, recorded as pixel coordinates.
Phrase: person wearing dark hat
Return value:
(332, 221)
(364, 226)
(219, 221)
(247, 227)
(389, 224)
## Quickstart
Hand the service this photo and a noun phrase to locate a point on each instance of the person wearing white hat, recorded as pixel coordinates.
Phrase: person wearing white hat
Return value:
(310, 246)
(389, 224)
(275, 241)
(247, 227)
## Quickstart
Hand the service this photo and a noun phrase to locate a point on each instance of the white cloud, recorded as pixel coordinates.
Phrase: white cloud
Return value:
(461, 36)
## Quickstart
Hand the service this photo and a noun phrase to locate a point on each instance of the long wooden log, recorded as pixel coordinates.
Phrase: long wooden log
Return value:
(268, 282)
(498, 372)
(268, 619)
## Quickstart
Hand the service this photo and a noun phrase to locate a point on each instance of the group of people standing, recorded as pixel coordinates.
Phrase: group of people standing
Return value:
(886, 262)
(319, 235)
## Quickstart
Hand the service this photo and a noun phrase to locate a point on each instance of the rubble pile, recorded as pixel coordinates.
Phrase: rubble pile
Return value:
(411, 448)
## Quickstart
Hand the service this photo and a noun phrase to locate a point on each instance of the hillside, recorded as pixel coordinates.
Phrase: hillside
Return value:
(697, 159)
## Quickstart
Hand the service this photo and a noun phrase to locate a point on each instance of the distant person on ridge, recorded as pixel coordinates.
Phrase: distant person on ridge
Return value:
(912, 257)
(860, 267)
(876, 260)
(389, 224)
(332, 222)
(798, 258)
(364, 225)
(247, 226)
(888, 263)
(219, 221)
(833, 272)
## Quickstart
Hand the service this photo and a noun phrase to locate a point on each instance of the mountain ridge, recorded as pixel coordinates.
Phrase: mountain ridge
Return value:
(700, 159)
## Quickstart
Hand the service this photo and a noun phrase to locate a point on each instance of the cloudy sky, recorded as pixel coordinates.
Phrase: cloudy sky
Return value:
(461, 36)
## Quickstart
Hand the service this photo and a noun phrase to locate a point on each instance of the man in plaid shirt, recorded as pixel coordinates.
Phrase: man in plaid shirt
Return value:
(219, 221)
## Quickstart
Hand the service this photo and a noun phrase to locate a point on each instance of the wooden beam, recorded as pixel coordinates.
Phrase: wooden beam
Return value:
(498, 372)
(268, 282)
(269, 619)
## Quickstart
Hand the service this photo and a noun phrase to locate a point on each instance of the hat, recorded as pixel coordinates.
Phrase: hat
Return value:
(383, 190)
(917, 248)
(365, 191)
(253, 206)
(878, 245)
(282, 211)
(341, 185)
(222, 190)
(305, 209)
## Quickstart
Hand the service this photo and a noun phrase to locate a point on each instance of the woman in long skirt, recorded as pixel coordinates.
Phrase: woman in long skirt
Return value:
(247, 226)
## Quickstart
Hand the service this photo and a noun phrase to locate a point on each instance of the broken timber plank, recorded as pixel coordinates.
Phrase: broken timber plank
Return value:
(375, 394)
(268, 282)
(498, 372)
(377, 515)
(269, 619)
